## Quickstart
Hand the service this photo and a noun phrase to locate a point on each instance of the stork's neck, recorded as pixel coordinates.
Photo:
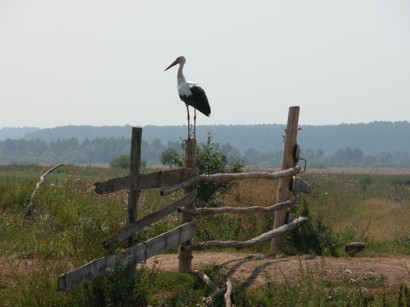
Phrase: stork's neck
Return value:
(180, 75)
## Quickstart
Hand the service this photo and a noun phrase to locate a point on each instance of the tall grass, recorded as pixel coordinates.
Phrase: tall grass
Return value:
(362, 207)
(70, 221)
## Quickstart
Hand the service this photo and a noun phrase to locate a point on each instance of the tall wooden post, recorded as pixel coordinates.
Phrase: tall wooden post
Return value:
(185, 257)
(133, 195)
(287, 162)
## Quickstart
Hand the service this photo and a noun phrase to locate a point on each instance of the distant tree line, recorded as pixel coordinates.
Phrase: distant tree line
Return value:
(371, 138)
(343, 157)
(105, 150)
(355, 157)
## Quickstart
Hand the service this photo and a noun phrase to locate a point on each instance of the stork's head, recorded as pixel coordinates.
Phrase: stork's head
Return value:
(180, 60)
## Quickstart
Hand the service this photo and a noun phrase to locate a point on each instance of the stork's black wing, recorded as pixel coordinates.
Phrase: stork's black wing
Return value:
(198, 100)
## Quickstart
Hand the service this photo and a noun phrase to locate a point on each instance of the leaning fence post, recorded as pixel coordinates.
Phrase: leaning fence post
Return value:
(133, 195)
(288, 161)
(185, 256)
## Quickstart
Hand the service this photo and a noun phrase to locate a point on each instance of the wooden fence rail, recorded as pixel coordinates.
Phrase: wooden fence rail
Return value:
(259, 239)
(239, 210)
(145, 181)
(230, 177)
(150, 219)
(126, 258)
(171, 181)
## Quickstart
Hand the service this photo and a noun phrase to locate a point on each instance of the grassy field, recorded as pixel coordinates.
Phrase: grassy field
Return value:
(69, 222)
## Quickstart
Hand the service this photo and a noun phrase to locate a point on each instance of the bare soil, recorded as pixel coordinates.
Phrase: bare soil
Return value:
(256, 269)
(253, 270)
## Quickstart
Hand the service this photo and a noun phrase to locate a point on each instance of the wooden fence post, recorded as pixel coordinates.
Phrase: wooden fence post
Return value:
(185, 256)
(133, 195)
(288, 161)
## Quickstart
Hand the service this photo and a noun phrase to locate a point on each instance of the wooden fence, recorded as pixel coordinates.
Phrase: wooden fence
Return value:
(185, 178)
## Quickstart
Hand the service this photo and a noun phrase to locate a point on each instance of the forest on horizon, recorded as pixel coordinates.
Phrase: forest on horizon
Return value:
(376, 144)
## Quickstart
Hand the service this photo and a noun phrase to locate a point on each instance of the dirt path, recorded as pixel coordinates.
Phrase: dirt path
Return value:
(255, 269)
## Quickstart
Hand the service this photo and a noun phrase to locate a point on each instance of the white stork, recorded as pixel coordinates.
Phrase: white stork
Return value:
(190, 93)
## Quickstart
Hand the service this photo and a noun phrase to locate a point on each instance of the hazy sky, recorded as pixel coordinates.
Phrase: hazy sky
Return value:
(100, 62)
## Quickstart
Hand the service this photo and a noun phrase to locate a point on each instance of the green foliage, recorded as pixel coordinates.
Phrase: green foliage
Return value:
(211, 160)
(313, 237)
(15, 194)
(311, 291)
(176, 289)
(171, 157)
(115, 289)
(122, 161)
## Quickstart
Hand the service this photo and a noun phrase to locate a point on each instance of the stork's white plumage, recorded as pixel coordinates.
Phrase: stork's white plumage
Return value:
(190, 93)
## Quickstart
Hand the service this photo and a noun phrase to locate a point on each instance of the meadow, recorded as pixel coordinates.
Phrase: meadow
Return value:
(70, 220)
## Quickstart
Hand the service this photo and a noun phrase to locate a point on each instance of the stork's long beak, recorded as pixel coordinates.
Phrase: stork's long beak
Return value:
(172, 64)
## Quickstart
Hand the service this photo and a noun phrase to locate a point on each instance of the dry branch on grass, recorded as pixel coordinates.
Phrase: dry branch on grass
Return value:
(207, 280)
(42, 179)
(218, 292)
(227, 295)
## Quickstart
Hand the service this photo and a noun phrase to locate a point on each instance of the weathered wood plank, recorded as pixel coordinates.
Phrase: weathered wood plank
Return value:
(290, 158)
(185, 257)
(130, 256)
(242, 210)
(133, 196)
(145, 181)
(262, 238)
(149, 219)
(230, 177)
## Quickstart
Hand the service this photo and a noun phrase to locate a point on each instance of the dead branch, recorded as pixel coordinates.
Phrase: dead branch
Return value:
(42, 179)
(218, 292)
(207, 280)
(230, 177)
(262, 238)
(236, 210)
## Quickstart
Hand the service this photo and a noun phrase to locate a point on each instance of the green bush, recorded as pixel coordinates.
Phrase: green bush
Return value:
(170, 157)
(121, 162)
(210, 160)
(314, 236)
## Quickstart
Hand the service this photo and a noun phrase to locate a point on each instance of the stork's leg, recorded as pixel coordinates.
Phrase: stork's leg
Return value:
(189, 133)
(194, 124)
